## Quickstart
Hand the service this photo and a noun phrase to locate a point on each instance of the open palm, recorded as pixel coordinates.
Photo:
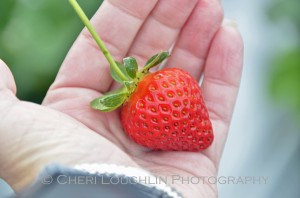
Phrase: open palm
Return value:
(70, 132)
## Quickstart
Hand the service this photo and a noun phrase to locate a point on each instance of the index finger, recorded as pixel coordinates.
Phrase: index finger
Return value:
(117, 22)
(221, 82)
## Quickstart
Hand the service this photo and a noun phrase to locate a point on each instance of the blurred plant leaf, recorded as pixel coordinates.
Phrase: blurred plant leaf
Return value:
(35, 36)
(6, 9)
(285, 10)
(285, 70)
(285, 79)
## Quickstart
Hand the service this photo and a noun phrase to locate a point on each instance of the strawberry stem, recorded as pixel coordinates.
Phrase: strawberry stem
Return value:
(98, 40)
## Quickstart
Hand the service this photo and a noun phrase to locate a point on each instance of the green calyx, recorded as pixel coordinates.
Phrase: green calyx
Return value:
(125, 73)
(112, 100)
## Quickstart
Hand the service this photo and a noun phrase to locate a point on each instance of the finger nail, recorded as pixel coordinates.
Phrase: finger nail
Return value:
(229, 22)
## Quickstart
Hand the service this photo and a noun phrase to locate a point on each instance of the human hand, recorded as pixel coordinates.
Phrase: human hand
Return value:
(66, 130)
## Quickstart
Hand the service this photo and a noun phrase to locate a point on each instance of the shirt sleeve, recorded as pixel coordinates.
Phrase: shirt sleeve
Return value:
(97, 180)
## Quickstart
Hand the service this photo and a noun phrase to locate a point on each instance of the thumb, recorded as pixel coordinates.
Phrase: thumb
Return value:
(7, 82)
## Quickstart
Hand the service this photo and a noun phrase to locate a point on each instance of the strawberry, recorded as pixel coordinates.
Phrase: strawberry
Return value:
(167, 112)
(162, 110)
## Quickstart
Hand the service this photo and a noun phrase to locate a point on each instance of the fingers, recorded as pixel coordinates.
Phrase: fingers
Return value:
(192, 46)
(221, 83)
(117, 23)
(7, 82)
(161, 28)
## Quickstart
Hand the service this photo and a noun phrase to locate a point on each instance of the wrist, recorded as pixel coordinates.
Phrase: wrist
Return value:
(109, 180)
(24, 157)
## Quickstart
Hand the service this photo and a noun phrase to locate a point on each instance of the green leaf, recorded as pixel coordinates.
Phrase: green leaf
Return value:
(284, 79)
(131, 66)
(129, 85)
(156, 59)
(110, 101)
(115, 76)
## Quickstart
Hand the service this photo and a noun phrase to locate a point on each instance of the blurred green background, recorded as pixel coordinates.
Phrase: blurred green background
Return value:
(35, 36)
(285, 65)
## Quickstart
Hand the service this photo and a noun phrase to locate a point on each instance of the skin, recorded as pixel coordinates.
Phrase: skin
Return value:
(64, 129)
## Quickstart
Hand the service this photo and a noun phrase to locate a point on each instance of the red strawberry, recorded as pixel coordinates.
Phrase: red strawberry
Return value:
(164, 110)
(167, 112)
